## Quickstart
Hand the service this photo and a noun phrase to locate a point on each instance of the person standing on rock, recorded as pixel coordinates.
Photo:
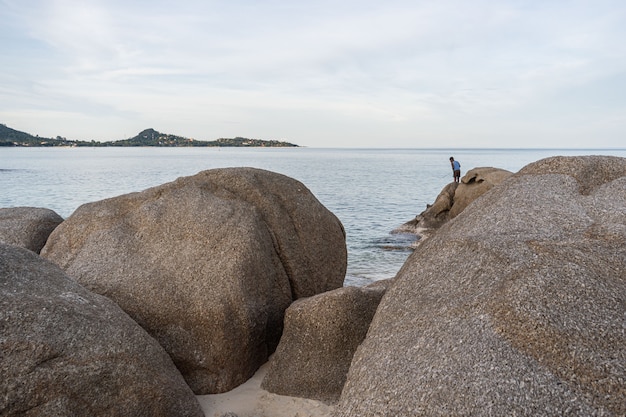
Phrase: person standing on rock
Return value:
(456, 169)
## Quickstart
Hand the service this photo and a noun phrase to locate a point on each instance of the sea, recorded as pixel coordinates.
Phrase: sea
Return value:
(371, 191)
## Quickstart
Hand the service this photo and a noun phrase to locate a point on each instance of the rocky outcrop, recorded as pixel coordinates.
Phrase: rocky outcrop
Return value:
(515, 307)
(320, 337)
(27, 227)
(69, 352)
(207, 264)
(453, 199)
(475, 183)
(436, 214)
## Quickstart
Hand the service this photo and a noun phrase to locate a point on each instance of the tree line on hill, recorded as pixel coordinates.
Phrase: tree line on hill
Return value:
(148, 137)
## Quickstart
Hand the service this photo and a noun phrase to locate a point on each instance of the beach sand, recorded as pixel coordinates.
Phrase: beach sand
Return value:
(250, 400)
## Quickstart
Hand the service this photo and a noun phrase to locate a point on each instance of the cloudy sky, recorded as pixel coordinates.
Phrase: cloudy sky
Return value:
(392, 73)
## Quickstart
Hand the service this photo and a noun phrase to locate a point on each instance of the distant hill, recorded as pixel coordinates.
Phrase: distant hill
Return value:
(12, 137)
(148, 137)
(151, 137)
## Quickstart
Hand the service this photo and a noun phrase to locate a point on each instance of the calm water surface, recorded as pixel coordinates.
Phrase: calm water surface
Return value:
(372, 191)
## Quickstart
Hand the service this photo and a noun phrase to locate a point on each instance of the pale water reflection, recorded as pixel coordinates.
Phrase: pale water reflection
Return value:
(372, 191)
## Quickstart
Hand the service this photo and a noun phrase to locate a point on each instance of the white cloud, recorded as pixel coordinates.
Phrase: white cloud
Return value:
(348, 71)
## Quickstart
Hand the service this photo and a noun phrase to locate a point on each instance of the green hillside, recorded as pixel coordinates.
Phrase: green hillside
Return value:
(151, 137)
(148, 137)
(12, 137)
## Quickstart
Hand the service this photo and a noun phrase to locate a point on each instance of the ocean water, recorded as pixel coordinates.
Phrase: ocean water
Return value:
(372, 191)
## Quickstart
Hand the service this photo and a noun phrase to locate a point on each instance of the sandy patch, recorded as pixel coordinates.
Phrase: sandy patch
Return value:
(250, 400)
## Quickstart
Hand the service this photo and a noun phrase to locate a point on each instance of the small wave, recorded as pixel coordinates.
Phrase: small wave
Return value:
(397, 248)
(395, 242)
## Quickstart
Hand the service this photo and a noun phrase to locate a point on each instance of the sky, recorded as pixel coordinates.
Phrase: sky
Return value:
(392, 73)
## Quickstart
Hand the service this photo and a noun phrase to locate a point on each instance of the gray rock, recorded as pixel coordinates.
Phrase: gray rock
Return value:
(320, 337)
(453, 199)
(207, 264)
(475, 183)
(27, 227)
(69, 352)
(515, 307)
(438, 213)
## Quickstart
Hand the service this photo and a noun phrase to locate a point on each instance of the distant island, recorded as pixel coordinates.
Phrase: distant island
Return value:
(148, 137)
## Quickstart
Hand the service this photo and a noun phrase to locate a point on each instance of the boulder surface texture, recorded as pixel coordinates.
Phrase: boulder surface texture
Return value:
(515, 307)
(27, 227)
(207, 264)
(68, 352)
(320, 337)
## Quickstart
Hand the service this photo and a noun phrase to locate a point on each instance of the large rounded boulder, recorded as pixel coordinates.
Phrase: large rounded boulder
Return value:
(320, 337)
(68, 352)
(27, 227)
(515, 307)
(207, 264)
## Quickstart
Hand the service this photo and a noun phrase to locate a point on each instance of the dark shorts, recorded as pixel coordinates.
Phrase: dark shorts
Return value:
(457, 173)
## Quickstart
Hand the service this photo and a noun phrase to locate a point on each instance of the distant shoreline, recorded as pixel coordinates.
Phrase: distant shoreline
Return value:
(146, 138)
(78, 144)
